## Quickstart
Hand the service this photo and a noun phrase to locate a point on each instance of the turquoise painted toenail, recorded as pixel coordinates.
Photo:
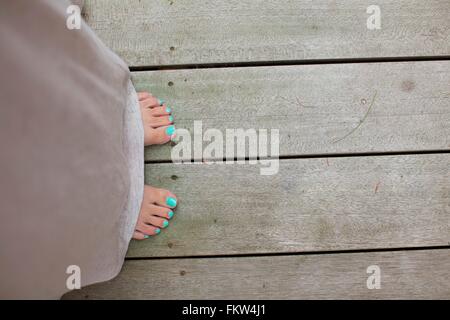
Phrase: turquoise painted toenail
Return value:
(165, 223)
(146, 236)
(171, 202)
(157, 231)
(171, 119)
(168, 110)
(170, 214)
(170, 130)
(161, 102)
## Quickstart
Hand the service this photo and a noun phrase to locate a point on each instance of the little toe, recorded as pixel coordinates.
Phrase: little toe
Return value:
(148, 230)
(137, 235)
(143, 95)
(149, 102)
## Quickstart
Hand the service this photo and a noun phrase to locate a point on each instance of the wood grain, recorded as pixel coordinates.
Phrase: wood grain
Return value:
(159, 32)
(404, 275)
(310, 205)
(319, 109)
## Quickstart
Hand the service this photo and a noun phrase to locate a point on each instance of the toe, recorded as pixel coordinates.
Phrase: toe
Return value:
(155, 215)
(147, 230)
(143, 95)
(159, 211)
(161, 197)
(160, 111)
(156, 122)
(159, 135)
(137, 235)
(157, 222)
(149, 102)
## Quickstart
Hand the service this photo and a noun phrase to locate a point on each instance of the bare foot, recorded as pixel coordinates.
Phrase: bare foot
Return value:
(156, 211)
(157, 120)
(157, 204)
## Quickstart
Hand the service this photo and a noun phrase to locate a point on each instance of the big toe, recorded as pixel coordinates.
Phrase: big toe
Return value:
(161, 197)
(160, 135)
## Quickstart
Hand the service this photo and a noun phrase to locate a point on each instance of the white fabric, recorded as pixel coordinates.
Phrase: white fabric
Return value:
(134, 149)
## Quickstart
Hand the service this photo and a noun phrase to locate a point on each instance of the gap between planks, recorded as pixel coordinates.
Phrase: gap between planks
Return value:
(276, 63)
(319, 156)
(282, 254)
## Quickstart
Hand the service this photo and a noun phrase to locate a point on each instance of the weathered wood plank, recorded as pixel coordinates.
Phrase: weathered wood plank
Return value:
(310, 205)
(155, 32)
(317, 108)
(404, 275)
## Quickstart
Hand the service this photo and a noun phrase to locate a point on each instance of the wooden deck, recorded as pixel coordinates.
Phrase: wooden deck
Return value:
(364, 120)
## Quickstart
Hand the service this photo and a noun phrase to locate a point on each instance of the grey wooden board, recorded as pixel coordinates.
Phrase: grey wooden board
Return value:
(143, 32)
(319, 109)
(404, 275)
(310, 205)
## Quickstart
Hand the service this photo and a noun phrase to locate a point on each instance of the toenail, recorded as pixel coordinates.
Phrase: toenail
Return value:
(165, 224)
(161, 102)
(168, 110)
(146, 236)
(170, 214)
(171, 202)
(157, 231)
(171, 118)
(170, 130)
